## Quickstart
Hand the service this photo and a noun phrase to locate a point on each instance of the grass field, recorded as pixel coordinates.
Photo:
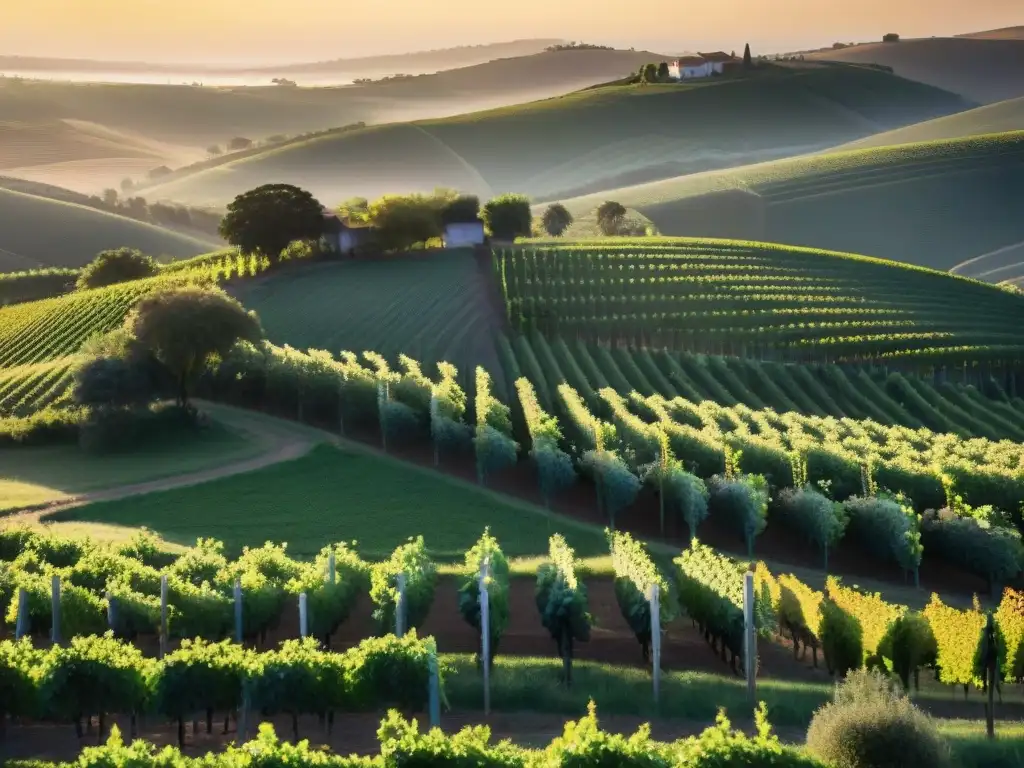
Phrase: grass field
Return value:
(432, 306)
(595, 136)
(41, 232)
(983, 70)
(41, 475)
(1000, 117)
(334, 494)
(933, 204)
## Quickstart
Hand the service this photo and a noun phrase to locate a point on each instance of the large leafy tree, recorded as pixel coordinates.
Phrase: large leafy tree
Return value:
(268, 218)
(185, 327)
(556, 219)
(464, 209)
(508, 217)
(609, 215)
(401, 221)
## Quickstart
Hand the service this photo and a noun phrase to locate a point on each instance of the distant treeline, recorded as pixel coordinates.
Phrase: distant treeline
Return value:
(574, 46)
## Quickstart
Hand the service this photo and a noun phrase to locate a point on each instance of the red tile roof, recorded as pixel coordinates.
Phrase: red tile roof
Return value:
(718, 56)
(689, 61)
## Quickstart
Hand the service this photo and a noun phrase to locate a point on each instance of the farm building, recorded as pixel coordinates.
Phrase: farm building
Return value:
(697, 65)
(344, 236)
(461, 234)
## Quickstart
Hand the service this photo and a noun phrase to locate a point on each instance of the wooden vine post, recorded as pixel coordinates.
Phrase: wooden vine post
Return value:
(654, 600)
(485, 632)
(434, 684)
(55, 608)
(163, 615)
(303, 616)
(21, 627)
(400, 607)
(749, 635)
(238, 609)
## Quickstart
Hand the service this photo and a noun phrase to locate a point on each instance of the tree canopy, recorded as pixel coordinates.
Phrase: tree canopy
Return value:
(116, 266)
(268, 218)
(401, 221)
(556, 219)
(508, 217)
(609, 215)
(464, 209)
(185, 327)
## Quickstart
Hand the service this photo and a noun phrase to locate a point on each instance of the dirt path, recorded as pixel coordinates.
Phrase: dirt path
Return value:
(282, 440)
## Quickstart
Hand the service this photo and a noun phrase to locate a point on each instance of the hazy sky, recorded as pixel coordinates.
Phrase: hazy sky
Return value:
(306, 30)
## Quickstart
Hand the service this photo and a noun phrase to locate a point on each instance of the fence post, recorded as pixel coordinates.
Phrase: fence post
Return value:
(400, 607)
(243, 717)
(21, 628)
(331, 567)
(485, 631)
(163, 615)
(749, 636)
(55, 607)
(238, 609)
(434, 691)
(655, 603)
(303, 616)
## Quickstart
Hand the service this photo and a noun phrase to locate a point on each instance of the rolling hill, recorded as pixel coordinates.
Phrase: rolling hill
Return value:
(42, 232)
(992, 118)
(984, 70)
(934, 204)
(1005, 33)
(591, 139)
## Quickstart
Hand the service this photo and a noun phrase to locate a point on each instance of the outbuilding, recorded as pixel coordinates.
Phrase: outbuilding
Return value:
(463, 234)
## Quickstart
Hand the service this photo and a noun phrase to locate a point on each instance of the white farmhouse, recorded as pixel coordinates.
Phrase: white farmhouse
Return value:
(463, 234)
(697, 65)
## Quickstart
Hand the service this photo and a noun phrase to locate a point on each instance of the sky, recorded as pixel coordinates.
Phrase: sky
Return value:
(278, 31)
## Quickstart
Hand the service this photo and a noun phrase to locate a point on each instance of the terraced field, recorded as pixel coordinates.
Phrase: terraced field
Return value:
(760, 300)
(933, 204)
(434, 306)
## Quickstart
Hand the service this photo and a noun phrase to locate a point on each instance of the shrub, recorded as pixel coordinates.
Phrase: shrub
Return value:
(116, 266)
(584, 744)
(721, 747)
(508, 217)
(47, 427)
(742, 500)
(401, 743)
(812, 515)
(909, 645)
(420, 579)
(992, 552)
(888, 528)
(690, 495)
(871, 724)
(497, 588)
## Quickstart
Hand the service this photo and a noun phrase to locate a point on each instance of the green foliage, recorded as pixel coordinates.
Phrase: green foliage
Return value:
(617, 485)
(689, 495)
(957, 635)
(268, 218)
(494, 451)
(185, 328)
(872, 724)
(116, 266)
(721, 747)
(812, 515)
(562, 600)
(200, 676)
(401, 743)
(508, 217)
(328, 603)
(93, 675)
(497, 588)
(82, 612)
(584, 745)
(389, 671)
(402, 221)
(556, 219)
(609, 215)
(19, 664)
(887, 527)
(297, 679)
(741, 500)
(841, 639)
(635, 575)
(420, 580)
(464, 209)
(993, 552)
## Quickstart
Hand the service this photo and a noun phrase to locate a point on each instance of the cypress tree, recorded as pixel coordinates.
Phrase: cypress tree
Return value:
(747, 62)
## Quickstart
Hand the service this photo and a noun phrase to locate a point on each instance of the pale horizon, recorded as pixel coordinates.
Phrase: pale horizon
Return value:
(271, 32)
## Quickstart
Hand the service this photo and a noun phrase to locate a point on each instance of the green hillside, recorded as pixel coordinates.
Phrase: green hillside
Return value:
(42, 232)
(993, 118)
(433, 307)
(588, 138)
(933, 204)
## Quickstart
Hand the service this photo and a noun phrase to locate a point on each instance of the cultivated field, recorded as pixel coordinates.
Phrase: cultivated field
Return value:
(41, 232)
(605, 136)
(982, 70)
(435, 305)
(933, 204)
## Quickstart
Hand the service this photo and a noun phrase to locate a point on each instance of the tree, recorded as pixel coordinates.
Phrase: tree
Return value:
(650, 73)
(663, 72)
(508, 217)
(110, 197)
(239, 142)
(116, 266)
(463, 209)
(609, 216)
(184, 328)
(127, 185)
(747, 61)
(159, 172)
(892, 37)
(267, 218)
(557, 219)
(401, 221)
(213, 150)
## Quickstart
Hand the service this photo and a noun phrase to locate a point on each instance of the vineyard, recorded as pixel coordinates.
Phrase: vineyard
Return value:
(761, 301)
(821, 390)
(26, 389)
